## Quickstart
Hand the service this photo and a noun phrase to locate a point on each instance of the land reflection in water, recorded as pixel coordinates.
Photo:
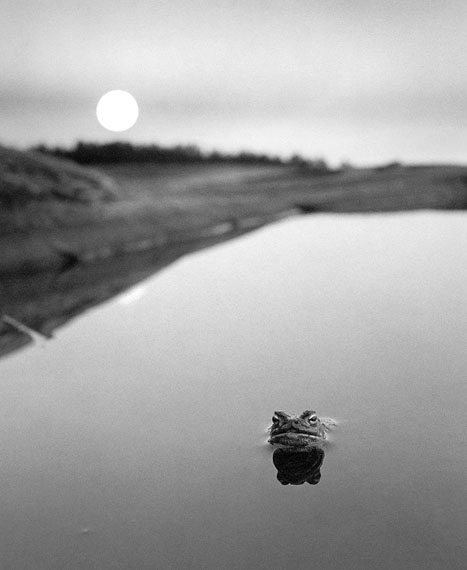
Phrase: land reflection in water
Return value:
(34, 305)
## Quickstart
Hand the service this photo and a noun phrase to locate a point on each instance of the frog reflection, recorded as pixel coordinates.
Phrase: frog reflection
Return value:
(298, 467)
(300, 439)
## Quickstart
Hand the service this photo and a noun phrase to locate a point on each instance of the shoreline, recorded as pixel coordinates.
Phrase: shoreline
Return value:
(70, 215)
(62, 256)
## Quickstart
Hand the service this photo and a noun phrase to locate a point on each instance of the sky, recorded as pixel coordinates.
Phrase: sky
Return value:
(365, 81)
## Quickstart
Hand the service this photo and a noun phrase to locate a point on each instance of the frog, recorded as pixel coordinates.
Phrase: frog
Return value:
(297, 432)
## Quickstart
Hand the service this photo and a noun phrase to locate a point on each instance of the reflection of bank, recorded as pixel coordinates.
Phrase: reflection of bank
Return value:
(298, 467)
(34, 305)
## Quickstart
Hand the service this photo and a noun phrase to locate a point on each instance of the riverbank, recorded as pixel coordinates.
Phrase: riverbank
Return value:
(56, 214)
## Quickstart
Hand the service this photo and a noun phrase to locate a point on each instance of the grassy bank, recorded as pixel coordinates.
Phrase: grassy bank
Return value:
(57, 214)
(71, 238)
(274, 188)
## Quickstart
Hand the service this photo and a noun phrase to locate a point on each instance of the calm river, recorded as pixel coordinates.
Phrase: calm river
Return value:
(136, 438)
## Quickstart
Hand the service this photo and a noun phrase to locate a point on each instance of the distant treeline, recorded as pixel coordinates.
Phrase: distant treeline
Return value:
(119, 152)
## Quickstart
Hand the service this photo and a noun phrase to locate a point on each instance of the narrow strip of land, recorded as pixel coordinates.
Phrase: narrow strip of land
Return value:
(57, 214)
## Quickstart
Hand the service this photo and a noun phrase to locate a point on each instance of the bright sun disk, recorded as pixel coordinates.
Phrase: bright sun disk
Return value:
(117, 110)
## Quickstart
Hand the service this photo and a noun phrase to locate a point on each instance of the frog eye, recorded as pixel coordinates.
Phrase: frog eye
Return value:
(313, 418)
(275, 419)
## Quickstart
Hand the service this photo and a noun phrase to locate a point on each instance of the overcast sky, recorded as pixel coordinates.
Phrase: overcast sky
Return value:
(359, 80)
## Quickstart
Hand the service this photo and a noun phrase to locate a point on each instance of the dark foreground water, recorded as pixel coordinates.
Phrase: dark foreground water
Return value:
(136, 437)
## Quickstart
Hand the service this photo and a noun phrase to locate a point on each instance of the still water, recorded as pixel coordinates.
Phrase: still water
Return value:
(136, 438)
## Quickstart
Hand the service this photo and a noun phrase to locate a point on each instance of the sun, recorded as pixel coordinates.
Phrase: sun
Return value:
(117, 110)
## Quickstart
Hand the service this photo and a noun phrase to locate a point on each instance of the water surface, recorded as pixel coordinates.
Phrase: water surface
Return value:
(136, 437)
